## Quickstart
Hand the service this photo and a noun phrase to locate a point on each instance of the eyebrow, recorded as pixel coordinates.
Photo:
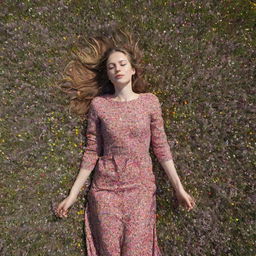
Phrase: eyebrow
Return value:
(118, 61)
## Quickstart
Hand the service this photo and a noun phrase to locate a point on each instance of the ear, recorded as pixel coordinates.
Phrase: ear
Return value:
(133, 71)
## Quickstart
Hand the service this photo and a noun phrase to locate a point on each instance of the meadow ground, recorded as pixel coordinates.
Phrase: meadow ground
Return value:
(200, 58)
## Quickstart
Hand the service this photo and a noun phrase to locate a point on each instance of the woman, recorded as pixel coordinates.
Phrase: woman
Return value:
(123, 120)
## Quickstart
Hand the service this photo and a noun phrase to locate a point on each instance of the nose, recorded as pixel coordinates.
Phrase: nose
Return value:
(117, 68)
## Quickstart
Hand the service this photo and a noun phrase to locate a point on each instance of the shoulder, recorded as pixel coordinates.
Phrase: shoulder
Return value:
(152, 98)
(153, 103)
(99, 103)
(94, 104)
(151, 95)
(97, 100)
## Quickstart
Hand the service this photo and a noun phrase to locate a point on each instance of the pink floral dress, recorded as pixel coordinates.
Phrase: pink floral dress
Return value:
(120, 215)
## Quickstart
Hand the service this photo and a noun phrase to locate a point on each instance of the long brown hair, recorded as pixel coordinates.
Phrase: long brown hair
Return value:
(85, 76)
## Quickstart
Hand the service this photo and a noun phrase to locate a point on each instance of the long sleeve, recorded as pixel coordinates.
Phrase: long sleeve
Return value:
(94, 140)
(160, 145)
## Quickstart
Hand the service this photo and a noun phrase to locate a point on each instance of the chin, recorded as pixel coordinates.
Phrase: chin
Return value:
(122, 83)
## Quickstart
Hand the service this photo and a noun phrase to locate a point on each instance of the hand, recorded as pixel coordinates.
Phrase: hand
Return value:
(185, 199)
(62, 208)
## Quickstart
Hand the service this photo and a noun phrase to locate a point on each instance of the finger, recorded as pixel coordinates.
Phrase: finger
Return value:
(188, 204)
(192, 205)
(184, 204)
(193, 201)
(60, 212)
(64, 213)
(59, 207)
(189, 207)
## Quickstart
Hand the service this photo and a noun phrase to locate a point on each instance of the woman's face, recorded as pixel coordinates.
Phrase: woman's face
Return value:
(119, 68)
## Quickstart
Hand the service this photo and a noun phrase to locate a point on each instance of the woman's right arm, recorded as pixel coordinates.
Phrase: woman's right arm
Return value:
(80, 181)
(90, 157)
(62, 209)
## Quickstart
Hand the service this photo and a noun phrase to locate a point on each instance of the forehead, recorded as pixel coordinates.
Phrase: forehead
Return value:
(116, 57)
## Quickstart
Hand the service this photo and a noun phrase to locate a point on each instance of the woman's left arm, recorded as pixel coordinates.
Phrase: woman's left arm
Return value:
(163, 153)
(183, 197)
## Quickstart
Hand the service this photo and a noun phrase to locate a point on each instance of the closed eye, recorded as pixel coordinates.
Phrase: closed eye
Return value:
(113, 67)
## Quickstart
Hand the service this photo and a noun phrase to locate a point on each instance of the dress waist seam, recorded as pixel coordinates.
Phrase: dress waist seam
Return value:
(125, 154)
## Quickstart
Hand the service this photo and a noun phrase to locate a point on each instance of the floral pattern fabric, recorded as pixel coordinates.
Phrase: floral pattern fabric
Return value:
(120, 215)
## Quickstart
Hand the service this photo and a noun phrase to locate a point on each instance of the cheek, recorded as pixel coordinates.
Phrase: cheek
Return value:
(128, 70)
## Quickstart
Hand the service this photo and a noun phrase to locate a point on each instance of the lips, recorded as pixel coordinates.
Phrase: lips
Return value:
(118, 76)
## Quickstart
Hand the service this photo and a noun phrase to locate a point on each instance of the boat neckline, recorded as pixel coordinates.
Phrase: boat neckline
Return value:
(117, 101)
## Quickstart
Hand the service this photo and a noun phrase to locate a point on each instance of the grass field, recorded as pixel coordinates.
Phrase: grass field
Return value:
(200, 58)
